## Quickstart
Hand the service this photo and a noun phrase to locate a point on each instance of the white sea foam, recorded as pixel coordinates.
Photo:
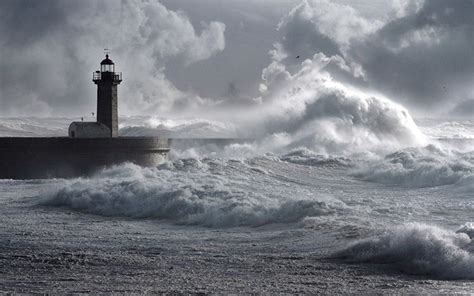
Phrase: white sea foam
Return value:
(193, 128)
(417, 249)
(420, 167)
(308, 157)
(450, 129)
(213, 193)
(468, 229)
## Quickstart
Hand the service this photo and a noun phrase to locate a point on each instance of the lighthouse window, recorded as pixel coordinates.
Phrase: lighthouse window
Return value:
(107, 68)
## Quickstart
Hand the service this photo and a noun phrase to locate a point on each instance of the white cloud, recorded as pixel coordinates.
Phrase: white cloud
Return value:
(339, 22)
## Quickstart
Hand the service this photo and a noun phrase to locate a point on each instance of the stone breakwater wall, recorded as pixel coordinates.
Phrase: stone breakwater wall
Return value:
(37, 158)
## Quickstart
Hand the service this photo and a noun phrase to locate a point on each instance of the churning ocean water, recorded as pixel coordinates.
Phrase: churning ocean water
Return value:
(381, 206)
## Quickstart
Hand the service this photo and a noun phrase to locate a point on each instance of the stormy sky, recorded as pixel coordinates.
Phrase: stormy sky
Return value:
(192, 57)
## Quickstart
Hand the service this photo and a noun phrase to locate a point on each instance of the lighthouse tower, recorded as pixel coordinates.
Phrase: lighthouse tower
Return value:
(107, 81)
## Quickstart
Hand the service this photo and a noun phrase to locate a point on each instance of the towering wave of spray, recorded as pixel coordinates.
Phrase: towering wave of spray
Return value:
(313, 109)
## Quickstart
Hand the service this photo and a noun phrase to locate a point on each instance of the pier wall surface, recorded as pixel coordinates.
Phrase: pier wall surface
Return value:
(37, 158)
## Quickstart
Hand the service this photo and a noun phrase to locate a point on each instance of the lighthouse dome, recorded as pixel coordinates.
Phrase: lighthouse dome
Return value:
(107, 61)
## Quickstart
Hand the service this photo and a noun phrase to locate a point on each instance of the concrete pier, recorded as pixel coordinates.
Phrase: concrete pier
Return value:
(38, 158)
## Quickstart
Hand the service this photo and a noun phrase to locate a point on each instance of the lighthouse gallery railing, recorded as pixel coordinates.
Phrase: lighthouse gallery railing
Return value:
(116, 76)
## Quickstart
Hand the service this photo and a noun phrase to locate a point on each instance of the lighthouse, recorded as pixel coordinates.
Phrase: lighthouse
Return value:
(90, 147)
(107, 81)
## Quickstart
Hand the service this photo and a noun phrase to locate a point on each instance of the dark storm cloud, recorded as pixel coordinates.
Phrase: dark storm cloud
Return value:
(250, 34)
(32, 79)
(321, 26)
(423, 58)
(301, 42)
(23, 22)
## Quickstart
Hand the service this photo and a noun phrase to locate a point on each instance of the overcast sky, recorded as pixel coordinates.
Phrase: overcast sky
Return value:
(194, 55)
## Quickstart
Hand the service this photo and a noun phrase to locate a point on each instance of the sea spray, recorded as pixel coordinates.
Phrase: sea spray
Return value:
(321, 113)
(306, 109)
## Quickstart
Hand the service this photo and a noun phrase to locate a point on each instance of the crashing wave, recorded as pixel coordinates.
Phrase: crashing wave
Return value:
(419, 250)
(468, 229)
(318, 112)
(308, 157)
(192, 192)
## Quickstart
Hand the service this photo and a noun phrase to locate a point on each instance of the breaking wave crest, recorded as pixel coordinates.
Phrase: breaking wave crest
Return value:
(191, 192)
(341, 124)
(308, 157)
(417, 249)
(421, 167)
